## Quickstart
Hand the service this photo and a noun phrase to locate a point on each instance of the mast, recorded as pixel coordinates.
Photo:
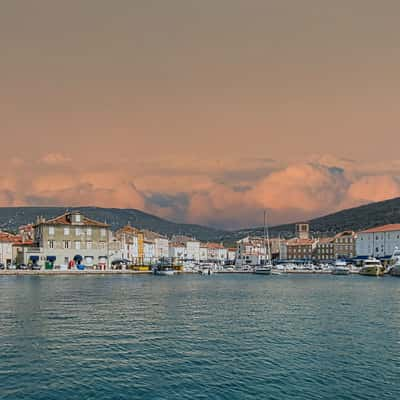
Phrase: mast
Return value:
(264, 236)
(268, 243)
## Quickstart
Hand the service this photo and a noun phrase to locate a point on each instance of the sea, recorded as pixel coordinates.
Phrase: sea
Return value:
(224, 336)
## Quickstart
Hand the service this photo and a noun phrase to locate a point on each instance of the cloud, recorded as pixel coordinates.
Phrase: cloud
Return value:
(226, 193)
(373, 188)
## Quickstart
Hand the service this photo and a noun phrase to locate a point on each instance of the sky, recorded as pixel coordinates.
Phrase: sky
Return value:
(200, 111)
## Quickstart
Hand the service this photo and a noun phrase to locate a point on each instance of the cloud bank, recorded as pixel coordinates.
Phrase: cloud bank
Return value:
(225, 193)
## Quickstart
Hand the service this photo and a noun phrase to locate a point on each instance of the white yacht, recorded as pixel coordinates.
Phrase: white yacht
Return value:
(395, 269)
(372, 267)
(340, 268)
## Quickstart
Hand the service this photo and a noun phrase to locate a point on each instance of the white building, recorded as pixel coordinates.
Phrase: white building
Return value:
(131, 240)
(193, 250)
(177, 251)
(251, 251)
(149, 249)
(161, 247)
(6, 248)
(378, 242)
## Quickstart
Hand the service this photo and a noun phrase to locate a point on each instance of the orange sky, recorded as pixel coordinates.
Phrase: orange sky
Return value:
(201, 111)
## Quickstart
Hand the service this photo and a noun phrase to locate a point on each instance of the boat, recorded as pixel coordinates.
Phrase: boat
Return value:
(395, 269)
(266, 267)
(340, 268)
(206, 271)
(164, 271)
(372, 267)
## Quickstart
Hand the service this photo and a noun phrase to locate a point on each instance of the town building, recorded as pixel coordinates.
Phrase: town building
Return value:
(132, 244)
(7, 240)
(378, 242)
(325, 249)
(345, 245)
(303, 230)
(149, 247)
(72, 238)
(251, 251)
(193, 250)
(216, 253)
(177, 251)
(300, 249)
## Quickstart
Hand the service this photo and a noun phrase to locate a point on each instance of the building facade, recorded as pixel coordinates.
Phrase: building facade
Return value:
(378, 242)
(72, 237)
(325, 249)
(300, 249)
(345, 245)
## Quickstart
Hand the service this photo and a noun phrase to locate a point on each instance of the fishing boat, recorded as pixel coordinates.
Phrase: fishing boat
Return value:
(266, 267)
(395, 269)
(340, 268)
(372, 267)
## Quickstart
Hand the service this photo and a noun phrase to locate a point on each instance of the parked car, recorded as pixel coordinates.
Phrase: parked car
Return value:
(22, 266)
(35, 267)
(2, 266)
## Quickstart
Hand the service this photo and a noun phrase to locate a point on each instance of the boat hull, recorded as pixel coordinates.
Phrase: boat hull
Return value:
(372, 271)
(165, 272)
(262, 272)
(341, 271)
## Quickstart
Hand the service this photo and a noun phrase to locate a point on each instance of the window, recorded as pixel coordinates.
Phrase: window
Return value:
(78, 231)
(51, 244)
(89, 244)
(51, 230)
(77, 244)
(102, 245)
(66, 231)
(103, 233)
(77, 218)
(66, 244)
(89, 231)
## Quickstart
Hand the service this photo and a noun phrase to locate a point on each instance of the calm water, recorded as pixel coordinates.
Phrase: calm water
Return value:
(192, 337)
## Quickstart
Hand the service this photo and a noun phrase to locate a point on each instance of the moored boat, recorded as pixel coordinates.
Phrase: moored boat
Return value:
(395, 269)
(340, 268)
(265, 268)
(372, 267)
(164, 271)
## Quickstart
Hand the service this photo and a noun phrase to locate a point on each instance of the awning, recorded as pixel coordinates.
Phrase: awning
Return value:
(78, 258)
(34, 258)
(51, 258)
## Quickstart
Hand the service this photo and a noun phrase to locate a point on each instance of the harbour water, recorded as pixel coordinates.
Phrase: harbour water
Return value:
(193, 337)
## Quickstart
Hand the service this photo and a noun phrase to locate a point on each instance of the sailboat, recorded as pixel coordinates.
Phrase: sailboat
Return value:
(266, 268)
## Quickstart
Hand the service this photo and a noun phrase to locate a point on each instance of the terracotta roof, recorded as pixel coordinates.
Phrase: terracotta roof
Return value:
(325, 240)
(383, 228)
(129, 229)
(176, 244)
(6, 237)
(300, 242)
(214, 246)
(65, 220)
(345, 233)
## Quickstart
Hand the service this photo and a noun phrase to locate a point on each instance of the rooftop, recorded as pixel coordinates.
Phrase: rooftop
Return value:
(66, 219)
(383, 228)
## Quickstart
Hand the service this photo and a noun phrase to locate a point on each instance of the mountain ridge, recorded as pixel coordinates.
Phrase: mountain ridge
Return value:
(356, 218)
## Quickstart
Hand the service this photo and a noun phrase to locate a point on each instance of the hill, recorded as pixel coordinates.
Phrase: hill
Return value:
(358, 218)
(13, 217)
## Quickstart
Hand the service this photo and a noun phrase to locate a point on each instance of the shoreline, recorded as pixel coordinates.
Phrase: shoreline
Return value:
(130, 272)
